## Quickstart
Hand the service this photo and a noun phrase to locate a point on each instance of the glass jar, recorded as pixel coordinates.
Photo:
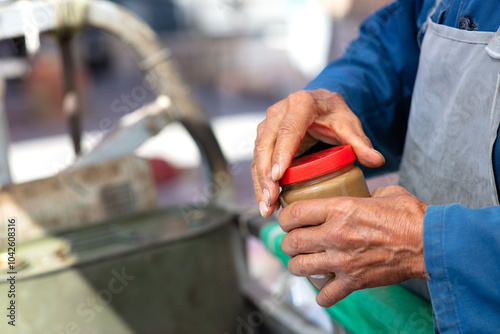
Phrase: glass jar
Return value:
(323, 174)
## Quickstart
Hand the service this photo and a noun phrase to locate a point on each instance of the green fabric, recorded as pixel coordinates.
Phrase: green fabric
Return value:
(388, 309)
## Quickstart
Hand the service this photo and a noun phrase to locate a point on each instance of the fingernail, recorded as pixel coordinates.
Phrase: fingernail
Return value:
(318, 276)
(263, 209)
(275, 172)
(374, 150)
(266, 197)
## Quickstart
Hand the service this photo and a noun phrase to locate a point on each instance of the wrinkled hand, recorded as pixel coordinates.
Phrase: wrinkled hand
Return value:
(295, 124)
(366, 242)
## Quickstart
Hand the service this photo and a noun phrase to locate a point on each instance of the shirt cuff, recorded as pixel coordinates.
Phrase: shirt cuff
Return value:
(440, 288)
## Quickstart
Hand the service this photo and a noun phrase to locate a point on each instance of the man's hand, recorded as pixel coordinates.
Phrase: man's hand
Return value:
(366, 242)
(295, 124)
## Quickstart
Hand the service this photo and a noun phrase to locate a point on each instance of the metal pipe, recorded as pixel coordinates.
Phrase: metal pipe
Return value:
(18, 18)
(5, 177)
(72, 106)
(161, 73)
(132, 130)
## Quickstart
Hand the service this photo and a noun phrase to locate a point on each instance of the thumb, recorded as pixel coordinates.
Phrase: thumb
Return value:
(334, 291)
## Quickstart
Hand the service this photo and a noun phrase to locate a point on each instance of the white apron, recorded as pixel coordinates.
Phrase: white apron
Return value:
(454, 118)
(453, 123)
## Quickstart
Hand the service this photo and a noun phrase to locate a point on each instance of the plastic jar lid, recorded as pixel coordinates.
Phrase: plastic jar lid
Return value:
(318, 163)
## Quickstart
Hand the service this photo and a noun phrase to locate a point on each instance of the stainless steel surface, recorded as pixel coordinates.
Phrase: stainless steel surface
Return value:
(151, 273)
(164, 272)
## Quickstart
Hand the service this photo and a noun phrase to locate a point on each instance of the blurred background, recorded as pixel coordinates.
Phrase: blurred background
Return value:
(236, 58)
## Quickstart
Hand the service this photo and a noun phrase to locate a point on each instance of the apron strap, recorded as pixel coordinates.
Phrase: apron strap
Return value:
(433, 9)
(493, 47)
(426, 23)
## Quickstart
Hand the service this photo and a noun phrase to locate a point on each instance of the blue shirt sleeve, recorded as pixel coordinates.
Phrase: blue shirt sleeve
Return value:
(462, 254)
(377, 73)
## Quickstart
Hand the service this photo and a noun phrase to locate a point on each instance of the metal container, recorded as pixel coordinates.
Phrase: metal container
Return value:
(167, 271)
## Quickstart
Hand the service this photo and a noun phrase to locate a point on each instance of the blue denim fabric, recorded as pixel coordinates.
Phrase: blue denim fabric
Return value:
(462, 256)
(376, 78)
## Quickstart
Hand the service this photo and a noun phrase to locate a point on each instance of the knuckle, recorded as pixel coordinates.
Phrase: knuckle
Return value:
(335, 234)
(377, 192)
(256, 180)
(301, 97)
(261, 127)
(337, 101)
(363, 136)
(341, 238)
(324, 262)
(346, 207)
(287, 129)
(342, 262)
(293, 265)
(399, 189)
(273, 110)
(300, 266)
(256, 144)
(297, 95)
(357, 122)
(296, 211)
(389, 190)
(258, 173)
(253, 166)
(336, 96)
(285, 245)
(259, 149)
(394, 188)
(292, 241)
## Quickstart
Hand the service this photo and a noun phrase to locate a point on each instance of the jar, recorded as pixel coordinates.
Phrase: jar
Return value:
(323, 174)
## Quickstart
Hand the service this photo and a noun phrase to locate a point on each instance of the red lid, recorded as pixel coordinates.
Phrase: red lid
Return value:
(318, 163)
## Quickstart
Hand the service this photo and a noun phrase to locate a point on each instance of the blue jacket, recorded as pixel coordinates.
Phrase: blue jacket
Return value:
(376, 77)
